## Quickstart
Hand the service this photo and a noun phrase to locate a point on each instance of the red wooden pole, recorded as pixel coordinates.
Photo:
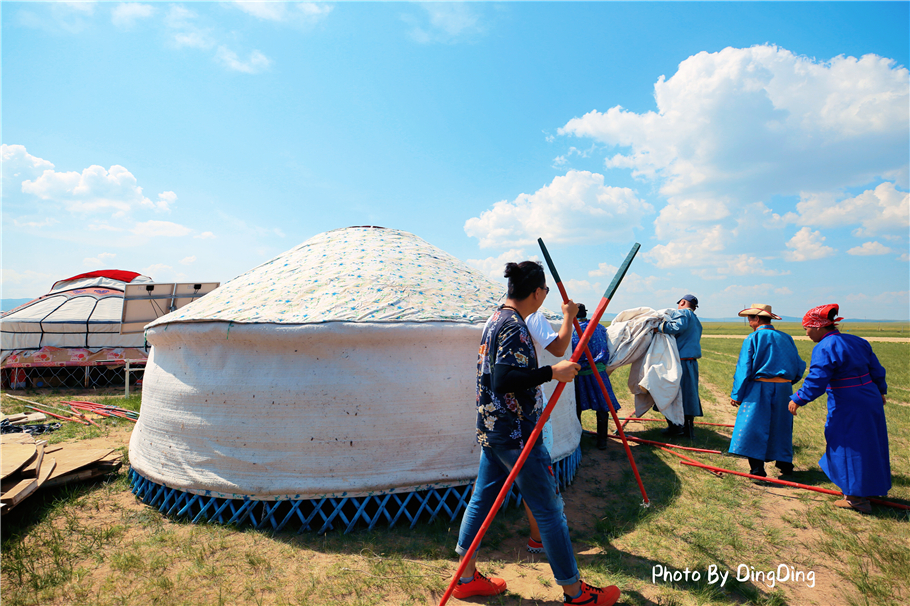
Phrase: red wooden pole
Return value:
(661, 421)
(532, 439)
(693, 463)
(593, 366)
(74, 420)
(653, 443)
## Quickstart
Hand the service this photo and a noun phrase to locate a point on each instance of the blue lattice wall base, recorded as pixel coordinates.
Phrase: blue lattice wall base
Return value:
(326, 514)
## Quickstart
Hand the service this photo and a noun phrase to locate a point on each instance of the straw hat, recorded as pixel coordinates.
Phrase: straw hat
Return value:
(759, 309)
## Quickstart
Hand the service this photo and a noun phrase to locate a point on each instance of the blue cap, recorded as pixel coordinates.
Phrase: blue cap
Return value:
(690, 298)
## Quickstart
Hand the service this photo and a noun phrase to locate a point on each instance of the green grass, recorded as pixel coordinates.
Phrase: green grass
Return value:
(860, 329)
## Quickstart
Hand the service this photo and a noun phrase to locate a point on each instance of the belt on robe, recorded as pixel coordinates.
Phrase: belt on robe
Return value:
(587, 371)
(850, 382)
(688, 359)
(772, 380)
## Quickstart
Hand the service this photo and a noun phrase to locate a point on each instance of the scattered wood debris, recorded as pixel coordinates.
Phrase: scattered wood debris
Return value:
(24, 418)
(29, 465)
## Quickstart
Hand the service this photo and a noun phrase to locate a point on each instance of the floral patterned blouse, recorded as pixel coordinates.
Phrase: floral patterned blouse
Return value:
(505, 420)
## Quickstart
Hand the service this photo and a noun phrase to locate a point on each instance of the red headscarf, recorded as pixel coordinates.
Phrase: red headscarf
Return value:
(817, 317)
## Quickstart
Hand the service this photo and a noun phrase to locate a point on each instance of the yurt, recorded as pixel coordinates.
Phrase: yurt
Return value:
(331, 386)
(71, 336)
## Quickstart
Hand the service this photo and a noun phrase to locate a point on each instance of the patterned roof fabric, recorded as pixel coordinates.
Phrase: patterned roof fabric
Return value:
(356, 274)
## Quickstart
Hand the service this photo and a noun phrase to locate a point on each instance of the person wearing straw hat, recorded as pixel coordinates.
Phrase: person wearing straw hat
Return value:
(685, 326)
(856, 455)
(509, 405)
(768, 366)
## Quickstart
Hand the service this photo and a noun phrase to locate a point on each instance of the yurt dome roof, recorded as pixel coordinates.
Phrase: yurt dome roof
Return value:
(354, 274)
(82, 311)
(103, 278)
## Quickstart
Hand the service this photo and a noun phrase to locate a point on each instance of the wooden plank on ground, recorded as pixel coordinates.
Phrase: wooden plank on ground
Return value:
(17, 438)
(33, 469)
(46, 470)
(70, 458)
(18, 491)
(76, 476)
(15, 456)
(54, 448)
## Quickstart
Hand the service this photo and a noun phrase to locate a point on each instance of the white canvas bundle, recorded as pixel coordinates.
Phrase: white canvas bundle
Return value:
(655, 371)
(299, 389)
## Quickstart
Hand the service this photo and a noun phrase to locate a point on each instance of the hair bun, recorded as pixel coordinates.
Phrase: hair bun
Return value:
(513, 271)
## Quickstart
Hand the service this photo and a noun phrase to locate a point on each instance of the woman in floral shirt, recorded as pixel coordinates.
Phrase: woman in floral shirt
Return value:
(509, 404)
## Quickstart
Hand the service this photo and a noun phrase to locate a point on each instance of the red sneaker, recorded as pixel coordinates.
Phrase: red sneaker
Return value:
(595, 596)
(535, 546)
(479, 585)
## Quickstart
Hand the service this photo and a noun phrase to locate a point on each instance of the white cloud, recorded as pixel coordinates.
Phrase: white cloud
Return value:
(187, 260)
(760, 121)
(193, 39)
(27, 283)
(901, 296)
(580, 291)
(46, 222)
(691, 250)
(574, 208)
(19, 165)
(165, 199)
(125, 14)
(156, 270)
(448, 22)
(256, 63)
(632, 283)
(103, 227)
(69, 17)
(904, 257)
(94, 189)
(101, 259)
(807, 245)
(184, 30)
(754, 290)
(86, 7)
(493, 267)
(738, 265)
(296, 13)
(878, 210)
(206, 235)
(153, 229)
(870, 248)
(737, 127)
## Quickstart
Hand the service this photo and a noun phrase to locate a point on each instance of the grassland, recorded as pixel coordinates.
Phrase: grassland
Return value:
(860, 329)
(95, 545)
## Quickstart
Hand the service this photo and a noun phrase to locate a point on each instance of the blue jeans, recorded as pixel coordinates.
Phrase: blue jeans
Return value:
(538, 488)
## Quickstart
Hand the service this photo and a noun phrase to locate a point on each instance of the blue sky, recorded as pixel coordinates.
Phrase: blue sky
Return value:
(759, 152)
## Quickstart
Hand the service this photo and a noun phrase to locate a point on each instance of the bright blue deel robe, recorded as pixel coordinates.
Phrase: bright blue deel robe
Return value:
(856, 457)
(587, 391)
(764, 426)
(684, 324)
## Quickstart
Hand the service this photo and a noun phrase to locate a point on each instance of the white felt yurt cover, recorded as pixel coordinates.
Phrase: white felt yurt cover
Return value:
(343, 367)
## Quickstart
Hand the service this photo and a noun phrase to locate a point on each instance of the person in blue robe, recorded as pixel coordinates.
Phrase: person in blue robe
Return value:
(768, 366)
(845, 368)
(685, 326)
(588, 395)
